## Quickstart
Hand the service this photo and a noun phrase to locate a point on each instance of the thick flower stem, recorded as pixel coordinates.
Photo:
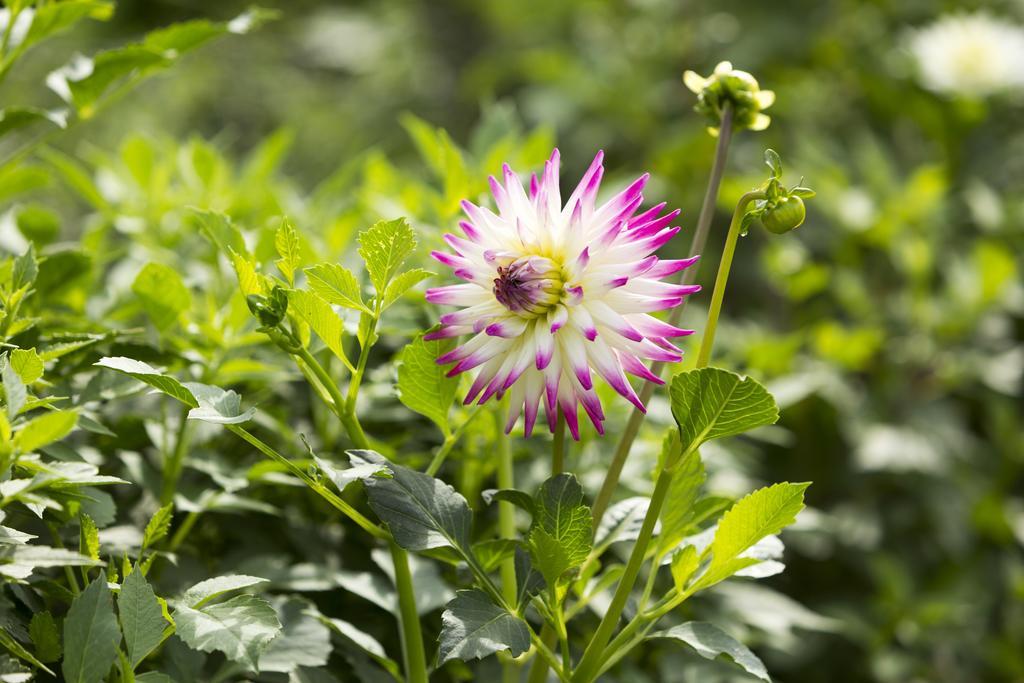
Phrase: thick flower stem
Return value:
(558, 447)
(507, 529)
(700, 238)
(412, 636)
(588, 667)
(413, 653)
(708, 340)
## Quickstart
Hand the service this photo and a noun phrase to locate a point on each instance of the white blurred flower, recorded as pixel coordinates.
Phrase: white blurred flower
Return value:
(970, 54)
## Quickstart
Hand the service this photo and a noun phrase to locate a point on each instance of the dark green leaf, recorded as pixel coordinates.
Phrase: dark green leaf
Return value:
(91, 635)
(711, 403)
(710, 642)
(423, 385)
(474, 627)
(142, 617)
(422, 512)
(241, 628)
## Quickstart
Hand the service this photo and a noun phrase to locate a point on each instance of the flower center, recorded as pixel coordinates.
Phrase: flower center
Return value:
(529, 286)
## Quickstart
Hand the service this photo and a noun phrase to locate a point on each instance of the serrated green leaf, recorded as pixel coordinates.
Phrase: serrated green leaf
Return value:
(305, 641)
(220, 230)
(286, 241)
(321, 318)
(204, 591)
(710, 642)
(89, 537)
(423, 385)
(9, 643)
(336, 285)
(241, 628)
(684, 563)
(422, 512)
(162, 294)
(216, 405)
(91, 635)
(45, 636)
(158, 525)
(86, 82)
(521, 499)
(27, 363)
(48, 19)
(763, 512)
(560, 536)
(16, 118)
(15, 393)
(678, 518)
(149, 375)
(384, 248)
(402, 284)
(711, 403)
(26, 269)
(474, 627)
(45, 429)
(142, 617)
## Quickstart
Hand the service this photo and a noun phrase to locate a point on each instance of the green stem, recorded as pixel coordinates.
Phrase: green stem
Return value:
(312, 483)
(357, 376)
(413, 654)
(588, 667)
(507, 529)
(700, 238)
(722, 278)
(548, 635)
(339, 404)
(175, 460)
(558, 446)
(409, 621)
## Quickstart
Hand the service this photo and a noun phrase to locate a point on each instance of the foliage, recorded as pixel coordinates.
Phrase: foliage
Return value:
(219, 407)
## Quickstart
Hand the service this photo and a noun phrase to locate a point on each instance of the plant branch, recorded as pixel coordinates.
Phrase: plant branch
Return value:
(700, 238)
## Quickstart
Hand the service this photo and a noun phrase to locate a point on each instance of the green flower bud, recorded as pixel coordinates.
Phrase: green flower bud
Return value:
(786, 214)
(728, 85)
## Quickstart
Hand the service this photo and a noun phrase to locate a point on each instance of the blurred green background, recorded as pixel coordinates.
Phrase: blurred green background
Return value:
(889, 326)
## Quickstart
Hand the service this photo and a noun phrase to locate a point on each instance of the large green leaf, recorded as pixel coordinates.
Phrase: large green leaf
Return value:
(27, 363)
(216, 405)
(85, 82)
(286, 241)
(423, 385)
(474, 627)
(204, 591)
(319, 315)
(402, 283)
(15, 118)
(142, 617)
(710, 642)
(45, 636)
(422, 512)
(678, 515)
(384, 248)
(759, 514)
(45, 429)
(337, 285)
(241, 628)
(562, 529)
(711, 403)
(162, 293)
(91, 635)
(304, 641)
(151, 376)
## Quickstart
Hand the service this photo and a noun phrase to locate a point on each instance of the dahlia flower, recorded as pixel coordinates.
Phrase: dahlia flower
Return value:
(970, 54)
(555, 294)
